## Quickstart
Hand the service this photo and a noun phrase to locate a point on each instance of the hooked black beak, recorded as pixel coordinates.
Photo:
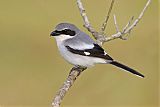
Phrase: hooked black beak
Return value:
(54, 33)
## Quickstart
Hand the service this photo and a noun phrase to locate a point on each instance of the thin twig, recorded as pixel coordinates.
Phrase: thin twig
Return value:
(127, 29)
(115, 23)
(98, 36)
(128, 24)
(104, 25)
(84, 16)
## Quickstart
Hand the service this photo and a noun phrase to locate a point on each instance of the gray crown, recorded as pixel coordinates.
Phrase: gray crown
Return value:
(63, 26)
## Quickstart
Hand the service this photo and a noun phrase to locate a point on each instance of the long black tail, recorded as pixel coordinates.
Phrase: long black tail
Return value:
(127, 68)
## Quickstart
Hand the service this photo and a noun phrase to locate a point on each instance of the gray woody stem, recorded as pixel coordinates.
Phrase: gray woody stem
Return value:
(100, 38)
(104, 25)
(74, 73)
(129, 27)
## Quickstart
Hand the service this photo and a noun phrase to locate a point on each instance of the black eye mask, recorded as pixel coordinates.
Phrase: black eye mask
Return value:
(66, 32)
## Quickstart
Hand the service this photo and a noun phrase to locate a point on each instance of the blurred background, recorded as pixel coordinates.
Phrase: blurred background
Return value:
(32, 70)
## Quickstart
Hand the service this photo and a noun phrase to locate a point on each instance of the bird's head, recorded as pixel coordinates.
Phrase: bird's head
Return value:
(65, 31)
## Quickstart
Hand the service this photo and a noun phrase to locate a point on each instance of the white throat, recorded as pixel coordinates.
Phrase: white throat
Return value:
(62, 37)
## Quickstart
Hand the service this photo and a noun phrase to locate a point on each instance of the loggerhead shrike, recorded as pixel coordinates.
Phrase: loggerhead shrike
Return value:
(80, 50)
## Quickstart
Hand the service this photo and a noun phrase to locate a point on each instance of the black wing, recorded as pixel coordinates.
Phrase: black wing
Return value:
(96, 51)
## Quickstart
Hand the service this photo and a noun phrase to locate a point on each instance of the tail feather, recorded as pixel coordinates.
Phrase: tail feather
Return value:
(127, 68)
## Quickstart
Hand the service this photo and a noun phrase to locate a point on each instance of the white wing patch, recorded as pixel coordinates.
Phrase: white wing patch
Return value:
(105, 53)
(86, 53)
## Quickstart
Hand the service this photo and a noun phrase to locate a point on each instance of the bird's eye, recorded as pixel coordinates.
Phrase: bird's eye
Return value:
(69, 32)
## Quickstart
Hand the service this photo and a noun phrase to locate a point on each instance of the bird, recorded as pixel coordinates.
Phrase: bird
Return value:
(79, 49)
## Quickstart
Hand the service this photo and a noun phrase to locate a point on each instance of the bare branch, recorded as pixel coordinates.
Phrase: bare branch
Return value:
(74, 73)
(84, 16)
(139, 17)
(128, 24)
(104, 25)
(98, 36)
(115, 23)
(127, 29)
